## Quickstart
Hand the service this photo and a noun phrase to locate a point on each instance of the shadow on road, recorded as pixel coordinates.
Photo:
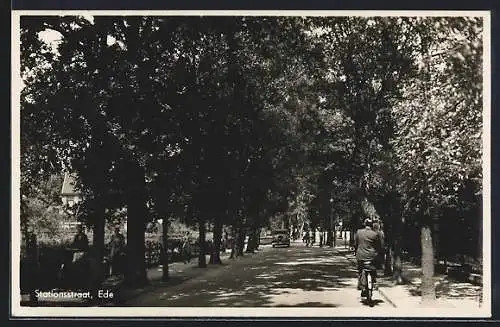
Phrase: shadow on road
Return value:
(372, 303)
(446, 288)
(307, 304)
(282, 277)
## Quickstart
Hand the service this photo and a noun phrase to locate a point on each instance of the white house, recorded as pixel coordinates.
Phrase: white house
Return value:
(69, 194)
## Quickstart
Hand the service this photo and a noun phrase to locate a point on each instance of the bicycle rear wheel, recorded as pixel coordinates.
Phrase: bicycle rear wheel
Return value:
(369, 286)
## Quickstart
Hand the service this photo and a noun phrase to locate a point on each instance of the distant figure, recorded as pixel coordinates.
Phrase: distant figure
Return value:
(309, 238)
(80, 241)
(226, 241)
(317, 236)
(80, 247)
(117, 249)
(80, 244)
(321, 239)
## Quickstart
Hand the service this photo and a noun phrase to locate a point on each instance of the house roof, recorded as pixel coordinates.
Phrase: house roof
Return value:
(68, 187)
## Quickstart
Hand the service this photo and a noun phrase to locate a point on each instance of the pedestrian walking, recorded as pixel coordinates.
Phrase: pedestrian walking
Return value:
(80, 241)
(79, 262)
(117, 251)
(309, 238)
(80, 244)
(224, 241)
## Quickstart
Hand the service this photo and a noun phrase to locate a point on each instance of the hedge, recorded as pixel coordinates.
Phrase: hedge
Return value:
(45, 272)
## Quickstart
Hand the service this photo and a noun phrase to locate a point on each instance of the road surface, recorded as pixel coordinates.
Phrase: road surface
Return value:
(274, 277)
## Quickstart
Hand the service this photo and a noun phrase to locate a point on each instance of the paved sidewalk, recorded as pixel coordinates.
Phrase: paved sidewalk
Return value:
(450, 294)
(181, 274)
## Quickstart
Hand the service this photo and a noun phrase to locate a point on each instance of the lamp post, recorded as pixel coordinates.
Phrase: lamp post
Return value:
(334, 224)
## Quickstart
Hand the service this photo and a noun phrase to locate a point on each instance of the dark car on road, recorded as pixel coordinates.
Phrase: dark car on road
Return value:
(281, 237)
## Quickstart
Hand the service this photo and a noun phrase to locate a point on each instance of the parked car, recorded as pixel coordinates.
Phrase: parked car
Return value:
(266, 240)
(281, 237)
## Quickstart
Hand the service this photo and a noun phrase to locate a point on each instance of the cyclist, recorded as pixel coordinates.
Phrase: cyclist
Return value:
(368, 246)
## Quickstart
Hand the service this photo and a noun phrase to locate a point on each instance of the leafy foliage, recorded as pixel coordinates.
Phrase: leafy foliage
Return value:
(439, 122)
(232, 120)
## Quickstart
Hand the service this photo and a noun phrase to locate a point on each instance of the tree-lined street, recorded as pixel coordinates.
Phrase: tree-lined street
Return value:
(231, 127)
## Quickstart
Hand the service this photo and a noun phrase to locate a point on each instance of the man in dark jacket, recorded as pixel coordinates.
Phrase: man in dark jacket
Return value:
(80, 241)
(79, 265)
(368, 245)
(117, 250)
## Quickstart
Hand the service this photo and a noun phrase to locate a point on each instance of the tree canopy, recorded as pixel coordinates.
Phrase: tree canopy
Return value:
(231, 120)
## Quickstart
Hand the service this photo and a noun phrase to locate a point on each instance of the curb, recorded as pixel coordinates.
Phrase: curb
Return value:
(378, 289)
(387, 298)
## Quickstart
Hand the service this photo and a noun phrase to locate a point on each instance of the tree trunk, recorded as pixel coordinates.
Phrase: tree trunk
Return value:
(137, 212)
(238, 241)
(329, 237)
(334, 236)
(202, 260)
(251, 241)
(29, 282)
(389, 245)
(253, 235)
(351, 237)
(285, 223)
(135, 275)
(301, 230)
(397, 264)
(479, 252)
(164, 255)
(257, 239)
(215, 255)
(428, 288)
(241, 242)
(388, 260)
(233, 245)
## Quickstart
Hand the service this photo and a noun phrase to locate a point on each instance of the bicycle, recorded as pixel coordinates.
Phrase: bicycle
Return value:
(367, 282)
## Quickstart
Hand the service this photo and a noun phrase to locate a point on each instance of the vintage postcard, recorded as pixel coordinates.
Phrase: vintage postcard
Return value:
(251, 164)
